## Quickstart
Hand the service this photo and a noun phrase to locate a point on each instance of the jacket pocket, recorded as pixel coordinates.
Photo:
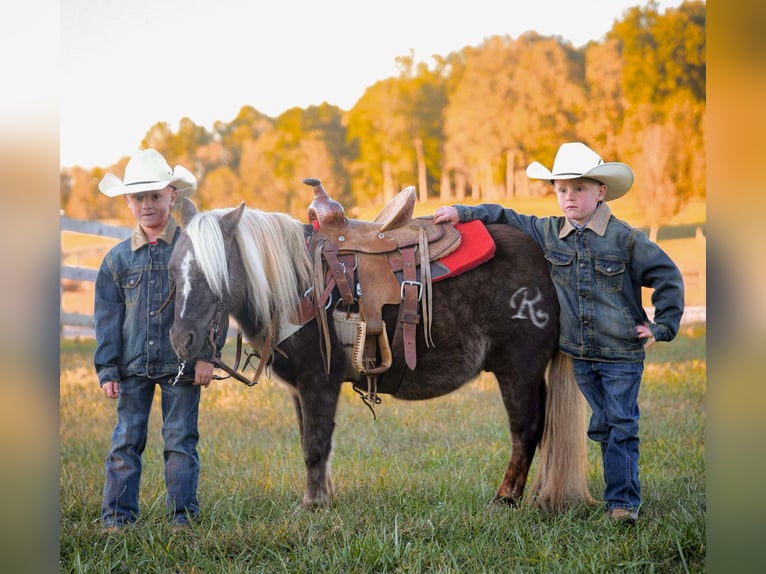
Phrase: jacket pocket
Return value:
(131, 287)
(560, 264)
(610, 274)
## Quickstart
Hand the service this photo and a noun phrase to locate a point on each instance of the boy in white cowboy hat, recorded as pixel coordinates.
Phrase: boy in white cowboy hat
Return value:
(133, 351)
(598, 265)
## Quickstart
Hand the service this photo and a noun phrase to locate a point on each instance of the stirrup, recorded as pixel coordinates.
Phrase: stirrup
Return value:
(363, 364)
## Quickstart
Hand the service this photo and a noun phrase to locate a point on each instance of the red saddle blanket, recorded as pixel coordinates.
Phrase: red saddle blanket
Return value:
(476, 247)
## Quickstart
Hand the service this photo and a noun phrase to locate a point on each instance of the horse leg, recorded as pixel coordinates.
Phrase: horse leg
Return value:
(299, 414)
(525, 405)
(318, 401)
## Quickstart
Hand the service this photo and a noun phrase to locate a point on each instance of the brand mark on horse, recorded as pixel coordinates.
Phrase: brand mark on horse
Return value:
(525, 308)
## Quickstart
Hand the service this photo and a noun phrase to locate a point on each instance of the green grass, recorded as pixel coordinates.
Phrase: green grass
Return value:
(411, 488)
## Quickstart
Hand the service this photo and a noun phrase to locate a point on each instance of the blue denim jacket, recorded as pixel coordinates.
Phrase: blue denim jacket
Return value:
(598, 272)
(132, 335)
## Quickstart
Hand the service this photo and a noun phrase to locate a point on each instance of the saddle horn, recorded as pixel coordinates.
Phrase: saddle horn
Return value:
(323, 210)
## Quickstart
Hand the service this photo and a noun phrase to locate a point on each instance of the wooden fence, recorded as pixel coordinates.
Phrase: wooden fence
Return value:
(693, 278)
(77, 273)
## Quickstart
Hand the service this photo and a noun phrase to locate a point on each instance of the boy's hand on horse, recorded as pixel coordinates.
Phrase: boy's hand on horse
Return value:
(446, 213)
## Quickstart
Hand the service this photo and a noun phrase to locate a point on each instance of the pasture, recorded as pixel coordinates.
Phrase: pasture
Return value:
(412, 488)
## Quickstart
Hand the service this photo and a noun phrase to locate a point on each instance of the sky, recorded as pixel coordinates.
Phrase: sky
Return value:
(125, 66)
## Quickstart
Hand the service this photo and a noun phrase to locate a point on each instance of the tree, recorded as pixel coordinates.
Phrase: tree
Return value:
(248, 125)
(220, 189)
(663, 71)
(602, 118)
(423, 98)
(512, 98)
(379, 131)
(325, 148)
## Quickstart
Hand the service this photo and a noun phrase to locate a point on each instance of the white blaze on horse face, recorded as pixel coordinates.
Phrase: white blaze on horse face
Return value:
(185, 281)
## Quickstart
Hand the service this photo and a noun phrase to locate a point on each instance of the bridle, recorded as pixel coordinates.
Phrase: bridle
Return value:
(213, 334)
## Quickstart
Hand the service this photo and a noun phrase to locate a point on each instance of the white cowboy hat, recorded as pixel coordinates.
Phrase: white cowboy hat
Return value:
(147, 170)
(575, 160)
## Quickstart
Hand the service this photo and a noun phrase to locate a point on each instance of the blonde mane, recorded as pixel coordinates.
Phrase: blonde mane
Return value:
(273, 252)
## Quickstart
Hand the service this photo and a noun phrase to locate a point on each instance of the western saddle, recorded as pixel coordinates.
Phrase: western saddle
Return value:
(369, 264)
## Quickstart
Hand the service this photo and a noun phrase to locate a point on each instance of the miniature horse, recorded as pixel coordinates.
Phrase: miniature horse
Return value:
(500, 317)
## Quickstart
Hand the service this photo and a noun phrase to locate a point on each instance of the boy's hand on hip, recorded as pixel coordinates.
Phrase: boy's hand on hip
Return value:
(644, 332)
(203, 373)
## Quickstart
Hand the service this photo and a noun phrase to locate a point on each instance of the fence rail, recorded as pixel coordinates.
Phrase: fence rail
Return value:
(77, 273)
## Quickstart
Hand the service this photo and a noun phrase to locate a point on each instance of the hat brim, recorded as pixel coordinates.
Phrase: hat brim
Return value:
(617, 176)
(183, 180)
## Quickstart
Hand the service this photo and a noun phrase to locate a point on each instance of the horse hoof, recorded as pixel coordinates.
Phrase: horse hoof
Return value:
(503, 502)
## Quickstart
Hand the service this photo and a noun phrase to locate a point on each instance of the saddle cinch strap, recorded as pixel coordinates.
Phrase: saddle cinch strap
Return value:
(347, 252)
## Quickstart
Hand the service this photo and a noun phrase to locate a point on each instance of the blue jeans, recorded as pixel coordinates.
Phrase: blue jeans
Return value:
(180, 408)
(611, 389)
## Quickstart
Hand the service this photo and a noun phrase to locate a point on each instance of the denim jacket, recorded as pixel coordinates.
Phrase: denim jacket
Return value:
(598, 272)
(132, 334)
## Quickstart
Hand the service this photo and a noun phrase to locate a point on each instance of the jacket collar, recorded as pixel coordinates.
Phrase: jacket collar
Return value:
(597, 222)
(138, 239)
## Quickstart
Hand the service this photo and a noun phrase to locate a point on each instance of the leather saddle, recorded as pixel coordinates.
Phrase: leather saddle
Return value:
(362, 262)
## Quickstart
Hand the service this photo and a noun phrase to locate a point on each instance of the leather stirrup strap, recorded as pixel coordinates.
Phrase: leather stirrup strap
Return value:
(408, 309)
(320, 294)
(426, 294)
(339, 273)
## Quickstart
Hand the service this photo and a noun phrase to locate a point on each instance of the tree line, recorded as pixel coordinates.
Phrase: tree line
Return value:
(462, 127)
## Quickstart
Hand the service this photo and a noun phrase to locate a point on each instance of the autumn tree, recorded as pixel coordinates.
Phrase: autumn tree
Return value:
(248, 125)
(465, 125)
(220, 189)
(422, 98)
(663, 70)
(602, 117)
(513, 98)
(379, 132)
(81, 198)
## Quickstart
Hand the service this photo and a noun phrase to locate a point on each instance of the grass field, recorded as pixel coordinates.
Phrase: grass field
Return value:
(411, 488)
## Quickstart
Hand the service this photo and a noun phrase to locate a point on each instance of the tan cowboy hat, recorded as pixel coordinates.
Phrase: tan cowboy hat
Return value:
(147, 170)
(575, 160)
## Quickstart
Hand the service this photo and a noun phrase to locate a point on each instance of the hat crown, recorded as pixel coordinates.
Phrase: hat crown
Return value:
(575, 159)
(147, 166)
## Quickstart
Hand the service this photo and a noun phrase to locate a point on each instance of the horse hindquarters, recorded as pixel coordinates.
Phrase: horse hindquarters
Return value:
(561, 476)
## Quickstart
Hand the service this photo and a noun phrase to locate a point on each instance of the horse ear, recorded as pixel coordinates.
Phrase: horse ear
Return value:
(188, 210)
(230, 220)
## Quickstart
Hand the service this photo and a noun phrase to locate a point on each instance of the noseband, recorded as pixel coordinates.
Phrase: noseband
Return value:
(213, 333)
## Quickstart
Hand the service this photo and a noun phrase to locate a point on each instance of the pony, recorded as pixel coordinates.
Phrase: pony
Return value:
(500, 317)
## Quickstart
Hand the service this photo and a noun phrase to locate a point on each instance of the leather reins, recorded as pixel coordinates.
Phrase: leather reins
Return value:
(215, 331)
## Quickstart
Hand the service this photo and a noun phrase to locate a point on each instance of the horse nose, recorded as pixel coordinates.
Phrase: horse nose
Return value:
(182, 342)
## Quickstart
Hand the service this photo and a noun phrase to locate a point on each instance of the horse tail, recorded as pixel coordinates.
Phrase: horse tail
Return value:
(561, 478)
